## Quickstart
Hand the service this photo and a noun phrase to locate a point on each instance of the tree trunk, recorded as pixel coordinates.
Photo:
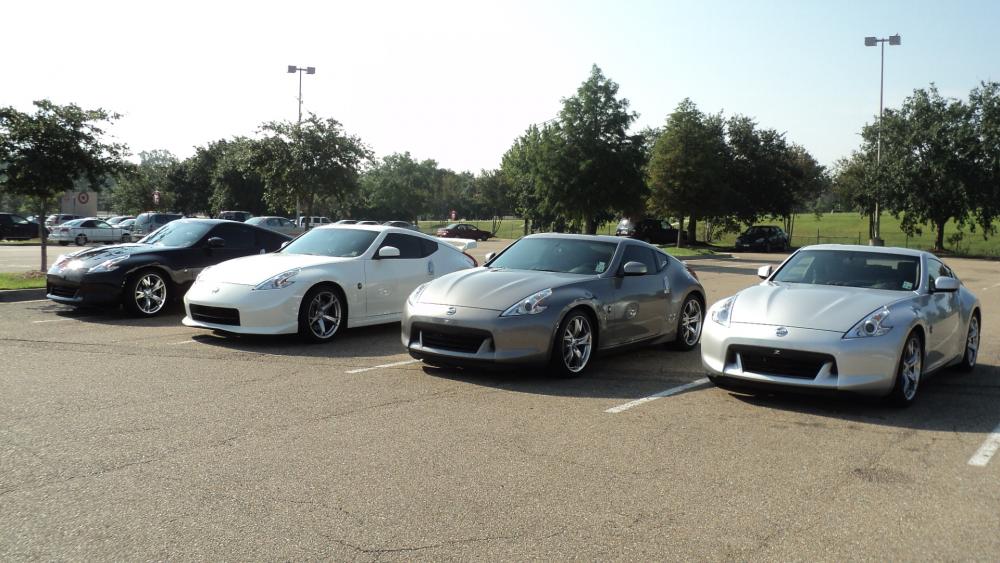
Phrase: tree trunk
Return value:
(692, 229)
(939, 240)
(591, 226)
(680, 230)
(42, 237)
(527, 222)
(309, 212)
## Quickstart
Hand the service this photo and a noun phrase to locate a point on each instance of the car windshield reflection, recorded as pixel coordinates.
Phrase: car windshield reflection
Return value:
(177, 234)
(871, 270)
(557, 255)
(338, 243)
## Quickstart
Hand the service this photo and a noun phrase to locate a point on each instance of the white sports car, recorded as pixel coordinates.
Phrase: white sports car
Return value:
(844, 318)
(331, 277)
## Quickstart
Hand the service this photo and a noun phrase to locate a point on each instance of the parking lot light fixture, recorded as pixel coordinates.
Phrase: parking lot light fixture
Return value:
(308, 70)
(872, 42)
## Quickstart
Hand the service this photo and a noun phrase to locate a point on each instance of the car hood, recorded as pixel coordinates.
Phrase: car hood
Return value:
(252, 270)
(493, 288)
(821, 307)
(93, 256)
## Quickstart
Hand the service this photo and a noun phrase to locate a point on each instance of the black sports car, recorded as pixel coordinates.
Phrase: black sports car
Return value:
(763, 237)
(143, 276)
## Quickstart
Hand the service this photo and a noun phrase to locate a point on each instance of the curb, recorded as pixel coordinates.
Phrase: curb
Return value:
(14, 295)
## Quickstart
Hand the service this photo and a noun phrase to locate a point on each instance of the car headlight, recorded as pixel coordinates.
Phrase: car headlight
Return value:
(106, 266)
(530, 305)
(414, 297)
(722, 311)
(280, 281)
(872, 325)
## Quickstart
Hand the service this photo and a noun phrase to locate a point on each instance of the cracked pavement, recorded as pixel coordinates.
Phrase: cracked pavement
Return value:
(144, 439)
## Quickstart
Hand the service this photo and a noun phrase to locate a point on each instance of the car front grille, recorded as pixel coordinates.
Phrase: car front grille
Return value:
(453, 339)
(215, 315)
(62, 291)
(781, 362)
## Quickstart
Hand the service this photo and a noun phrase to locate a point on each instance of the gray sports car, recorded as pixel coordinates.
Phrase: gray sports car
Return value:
(844, 318)
(555, 299)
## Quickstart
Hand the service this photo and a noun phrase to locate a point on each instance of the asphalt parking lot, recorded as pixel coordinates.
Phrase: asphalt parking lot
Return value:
(135, 439)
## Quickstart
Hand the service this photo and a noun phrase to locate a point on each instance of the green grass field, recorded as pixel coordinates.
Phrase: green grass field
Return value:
(26, 280)
(840, 228)
(29, 242)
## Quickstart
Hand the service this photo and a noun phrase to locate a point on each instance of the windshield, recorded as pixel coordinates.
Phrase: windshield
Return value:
(755, 231)
(571, 256)
(177, 233)
(341, 243)
(872, 270)
(73, 223)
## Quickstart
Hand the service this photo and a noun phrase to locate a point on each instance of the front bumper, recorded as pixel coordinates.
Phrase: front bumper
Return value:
(473, 336)
(273, 311)
(75, 287)
(861, 365)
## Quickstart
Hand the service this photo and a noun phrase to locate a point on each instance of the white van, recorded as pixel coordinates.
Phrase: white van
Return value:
(312, 222)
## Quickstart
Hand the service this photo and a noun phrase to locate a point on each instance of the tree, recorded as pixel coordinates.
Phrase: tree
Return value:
(44, 154)
(133, 193)
(984, 102)
(308, 162)
(688, 168)
(397, 187)
(236, 180)
(493, 196)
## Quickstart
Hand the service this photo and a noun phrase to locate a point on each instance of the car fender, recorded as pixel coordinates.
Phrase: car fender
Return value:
(570, 298)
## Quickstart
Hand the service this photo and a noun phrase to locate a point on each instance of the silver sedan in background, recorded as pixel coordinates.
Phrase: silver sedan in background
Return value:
(555, 299)
(844, 318)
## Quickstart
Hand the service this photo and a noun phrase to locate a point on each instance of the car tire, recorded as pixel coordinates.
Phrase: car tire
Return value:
(972, 337)
(81, 240)
(574, 344)
(322, 313)
(690, 323)
(909, 372)
(147, 293)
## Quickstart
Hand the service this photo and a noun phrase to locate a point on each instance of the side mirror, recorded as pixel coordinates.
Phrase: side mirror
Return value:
(764, 272)
(945, 285)
(216, 242)
(490, 256)
(284, 244)
(634, 269)
(388, 252)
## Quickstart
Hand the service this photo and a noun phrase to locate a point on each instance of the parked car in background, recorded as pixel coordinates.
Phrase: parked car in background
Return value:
(346, 222)
(555, 299)
(402, 225)
(653, 231)
(240, 216)
(368, 222)
(148, 222)
(313, 222)
(126, 224)
(849, 318)
(59, 218)
(113, 221)
(144, 276)
(328, 279)
(277, 224)
(763, 237)
(464, 230)
(82, 231)
(15, 227)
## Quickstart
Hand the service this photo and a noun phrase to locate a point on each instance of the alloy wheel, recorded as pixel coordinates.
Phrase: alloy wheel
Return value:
(911, 368)
(691, 320)
(577, 340)
(324, 314)
(150, 294)
(972, 342)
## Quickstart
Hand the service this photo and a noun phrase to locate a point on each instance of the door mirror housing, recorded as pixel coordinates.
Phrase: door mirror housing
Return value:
(764, 272)
(388, 252)
(490, 256)
(216, 242)
(945, 285)
(635, 269)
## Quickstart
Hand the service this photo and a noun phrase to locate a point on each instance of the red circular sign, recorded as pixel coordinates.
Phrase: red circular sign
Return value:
(83, 197)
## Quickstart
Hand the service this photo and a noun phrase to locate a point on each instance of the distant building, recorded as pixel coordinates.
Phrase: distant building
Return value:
(82, 203)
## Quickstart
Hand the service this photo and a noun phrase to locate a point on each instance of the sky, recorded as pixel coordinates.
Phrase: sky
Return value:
(459, 81)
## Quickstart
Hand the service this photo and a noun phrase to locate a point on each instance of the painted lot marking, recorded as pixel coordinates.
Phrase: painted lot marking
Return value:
(660, 395)
(392, 365)
(52, 321)
(183, 342)
(986, 451)
(26, 301)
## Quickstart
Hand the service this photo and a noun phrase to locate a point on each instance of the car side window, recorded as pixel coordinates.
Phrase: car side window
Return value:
(101, 225)
(635, 253)
(268, 240)
(661, 261)
(409, 247)
(236, 236)
(935, 270)
(427, 247)
(88, 224)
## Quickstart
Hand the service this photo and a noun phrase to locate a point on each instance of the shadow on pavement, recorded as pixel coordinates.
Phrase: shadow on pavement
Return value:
(369, 341)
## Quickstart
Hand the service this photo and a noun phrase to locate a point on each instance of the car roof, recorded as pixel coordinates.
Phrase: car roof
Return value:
(601, 238)
(865, 248)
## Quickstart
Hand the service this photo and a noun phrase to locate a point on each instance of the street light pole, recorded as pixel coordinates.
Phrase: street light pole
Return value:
(300, 70)
(871, 42)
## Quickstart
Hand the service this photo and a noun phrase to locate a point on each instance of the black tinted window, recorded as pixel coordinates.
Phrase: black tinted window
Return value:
(635, 253)
(409, 247)
(269, 240)
(236, 236)
(427, 247)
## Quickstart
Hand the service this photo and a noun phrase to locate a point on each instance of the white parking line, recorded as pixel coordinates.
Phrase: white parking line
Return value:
(361, 370)
(667, 393)
(26, 301)
(183, 342)
(986, 451)
(52, 321)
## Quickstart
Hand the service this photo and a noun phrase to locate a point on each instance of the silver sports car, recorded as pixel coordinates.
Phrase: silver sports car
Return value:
(555, 299)
(844, 318)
